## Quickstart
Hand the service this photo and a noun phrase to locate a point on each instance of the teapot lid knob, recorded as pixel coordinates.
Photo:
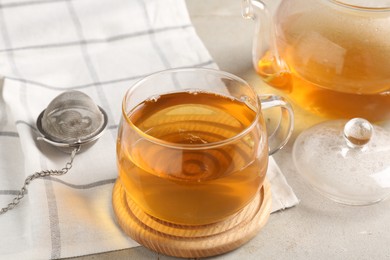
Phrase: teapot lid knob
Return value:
(358, 132)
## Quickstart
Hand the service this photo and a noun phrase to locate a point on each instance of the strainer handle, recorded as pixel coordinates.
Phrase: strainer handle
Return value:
(36, 175)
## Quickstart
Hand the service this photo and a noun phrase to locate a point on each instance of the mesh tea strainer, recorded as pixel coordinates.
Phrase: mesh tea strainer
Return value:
(72, 122)
(72, 119)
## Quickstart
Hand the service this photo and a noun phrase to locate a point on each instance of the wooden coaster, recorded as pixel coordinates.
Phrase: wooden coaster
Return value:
(191, 241)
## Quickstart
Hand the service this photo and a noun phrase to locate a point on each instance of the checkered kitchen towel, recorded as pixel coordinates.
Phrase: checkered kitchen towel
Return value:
(100, 47)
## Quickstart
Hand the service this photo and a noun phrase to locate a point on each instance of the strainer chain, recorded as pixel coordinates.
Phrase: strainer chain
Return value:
(36, 175)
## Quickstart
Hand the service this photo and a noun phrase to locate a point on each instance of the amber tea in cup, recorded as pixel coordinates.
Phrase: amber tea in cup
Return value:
(195, 151)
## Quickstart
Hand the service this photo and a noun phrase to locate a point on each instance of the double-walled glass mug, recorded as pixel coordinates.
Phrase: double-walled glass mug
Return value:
(331, 56)
(192, 145)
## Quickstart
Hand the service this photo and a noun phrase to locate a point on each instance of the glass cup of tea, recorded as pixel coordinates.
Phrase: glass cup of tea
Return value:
(192, 145)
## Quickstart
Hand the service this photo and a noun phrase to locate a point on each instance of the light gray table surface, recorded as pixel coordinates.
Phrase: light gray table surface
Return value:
(316, 228)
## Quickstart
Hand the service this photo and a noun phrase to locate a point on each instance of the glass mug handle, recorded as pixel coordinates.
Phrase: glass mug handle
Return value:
(283, 132)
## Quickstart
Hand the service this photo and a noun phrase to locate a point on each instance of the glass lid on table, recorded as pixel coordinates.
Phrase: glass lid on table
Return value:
(346, 161)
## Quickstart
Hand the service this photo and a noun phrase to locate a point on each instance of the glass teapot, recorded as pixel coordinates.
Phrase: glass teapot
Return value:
(332, 57)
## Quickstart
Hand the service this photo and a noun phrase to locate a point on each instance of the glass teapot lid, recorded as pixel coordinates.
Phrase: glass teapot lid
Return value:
(348, 162)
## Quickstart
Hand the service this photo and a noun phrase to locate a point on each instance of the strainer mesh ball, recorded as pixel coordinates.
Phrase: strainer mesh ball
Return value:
(72, 117)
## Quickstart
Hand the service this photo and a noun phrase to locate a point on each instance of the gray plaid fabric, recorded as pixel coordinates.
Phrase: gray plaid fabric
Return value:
(98, 47)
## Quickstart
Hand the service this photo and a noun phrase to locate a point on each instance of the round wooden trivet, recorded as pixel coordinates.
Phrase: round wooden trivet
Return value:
(192, 241)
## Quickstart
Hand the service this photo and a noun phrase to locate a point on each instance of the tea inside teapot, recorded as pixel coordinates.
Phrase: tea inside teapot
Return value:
(346, 52)
(337, 56)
